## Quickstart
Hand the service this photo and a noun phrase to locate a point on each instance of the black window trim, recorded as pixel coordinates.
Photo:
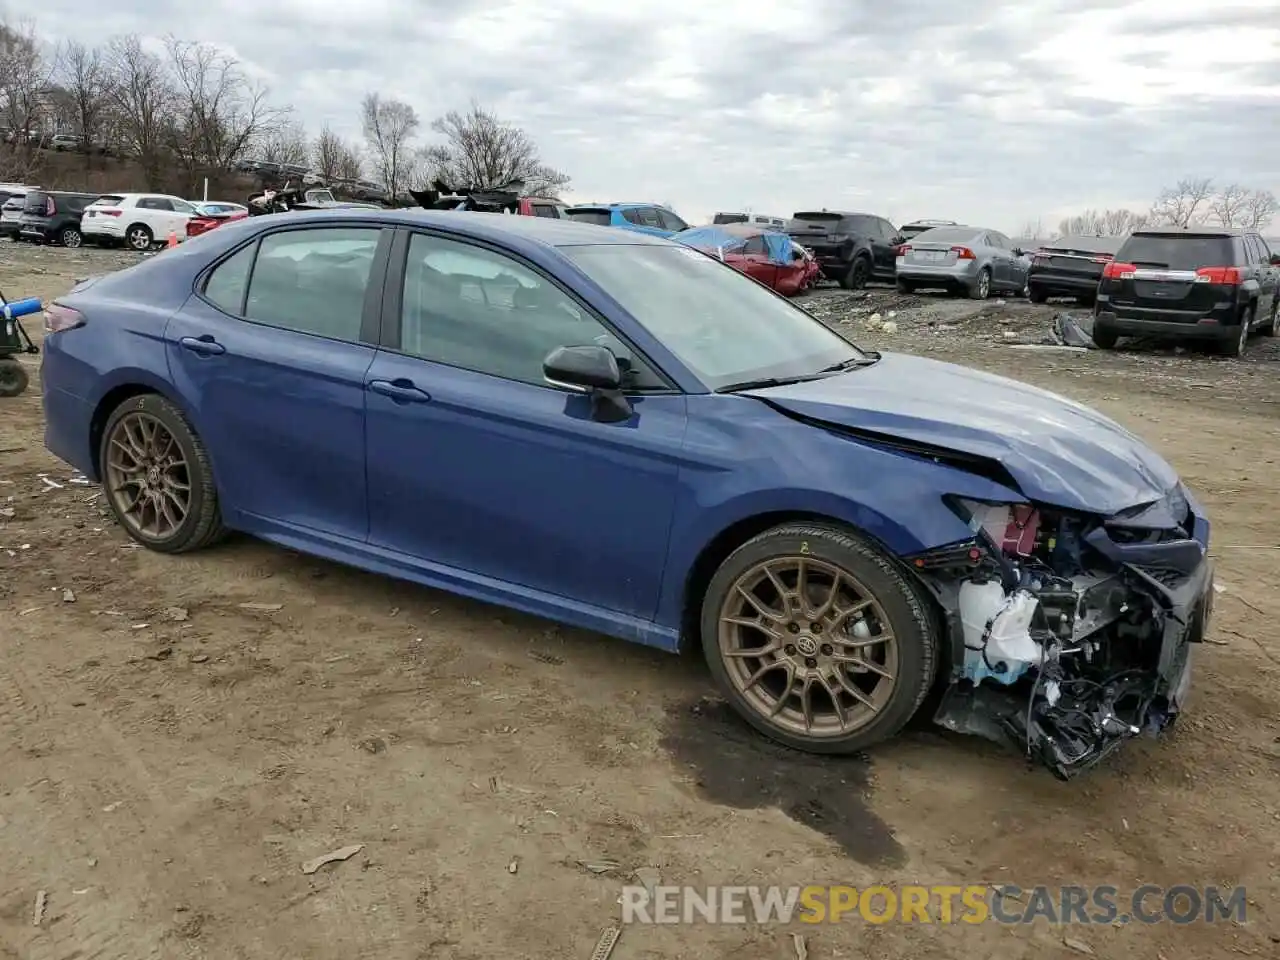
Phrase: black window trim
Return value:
(370, 317)
(392, 305)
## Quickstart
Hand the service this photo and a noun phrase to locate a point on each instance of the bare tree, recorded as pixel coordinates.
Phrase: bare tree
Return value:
(1032, 229)
(24, 76)
(389, 128)
(144, 100)
(285, 143)
(86, 81)
(1178, 206)
(334, 158)
(482, 151)
(1228, 204)
(219, 113)
(1259, 209)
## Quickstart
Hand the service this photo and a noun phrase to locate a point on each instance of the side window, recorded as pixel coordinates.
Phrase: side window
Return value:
(1250, 252)
(632, 215)
(754, 247)
(863, 226)
(544, 210)
(1264, 252)
(480, 310)
(157, 203)
(649, 217)
(181, 206)
(224, 287)
(670, 221)
(313, 281)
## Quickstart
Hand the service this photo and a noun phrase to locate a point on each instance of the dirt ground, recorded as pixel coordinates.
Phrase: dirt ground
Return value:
(178, 735)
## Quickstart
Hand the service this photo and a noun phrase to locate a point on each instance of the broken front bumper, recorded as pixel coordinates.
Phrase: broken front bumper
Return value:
(1066, 661)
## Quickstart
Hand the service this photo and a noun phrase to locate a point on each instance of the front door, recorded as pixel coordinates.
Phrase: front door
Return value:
(268, 359)
(476, 464)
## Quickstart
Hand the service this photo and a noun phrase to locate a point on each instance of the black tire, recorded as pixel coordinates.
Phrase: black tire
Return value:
(906, 286)
(139, 237)
(981, 289)
(1236, 342)
(1270, 329)
(1037, 294)
(202, 525)
(858, 275)
(1105, 339)
(13, 378)
(907, 615)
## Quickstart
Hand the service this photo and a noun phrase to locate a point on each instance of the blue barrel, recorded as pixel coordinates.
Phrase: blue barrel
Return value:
(21, 308)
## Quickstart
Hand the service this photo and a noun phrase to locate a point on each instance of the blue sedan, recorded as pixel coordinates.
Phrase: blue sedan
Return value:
(623, 434)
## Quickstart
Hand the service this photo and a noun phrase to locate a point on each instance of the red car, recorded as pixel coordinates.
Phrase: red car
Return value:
(772, 258)
(211, 215)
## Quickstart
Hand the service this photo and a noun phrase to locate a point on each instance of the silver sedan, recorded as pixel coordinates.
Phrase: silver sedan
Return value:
(972, 260)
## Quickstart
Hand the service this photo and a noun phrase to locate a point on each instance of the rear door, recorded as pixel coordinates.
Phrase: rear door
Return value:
(1164, 279)
(270, 357)
(883, 250)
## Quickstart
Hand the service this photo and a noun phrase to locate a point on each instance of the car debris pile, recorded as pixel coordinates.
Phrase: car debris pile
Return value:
(1074, 629)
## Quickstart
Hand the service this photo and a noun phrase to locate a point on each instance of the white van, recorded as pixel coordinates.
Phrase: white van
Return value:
(759, 219)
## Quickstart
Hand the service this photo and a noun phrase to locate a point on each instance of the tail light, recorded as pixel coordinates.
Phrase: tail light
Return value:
(58, 318)
(108, 213)
(1118, 271)
(963, 253)
(1227, 276)
(1102, 258)
(902, 249)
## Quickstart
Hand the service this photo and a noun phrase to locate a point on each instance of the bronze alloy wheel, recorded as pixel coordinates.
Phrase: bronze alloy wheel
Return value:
(147, 476)
(808, 647)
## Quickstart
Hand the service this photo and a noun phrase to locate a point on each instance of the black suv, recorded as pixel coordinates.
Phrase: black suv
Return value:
(1070, 267)
(850, 247)
(53, 216)
(1203, 284)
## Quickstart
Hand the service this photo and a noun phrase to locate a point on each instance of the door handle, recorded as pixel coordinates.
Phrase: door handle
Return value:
(399, 390)
(204, 345)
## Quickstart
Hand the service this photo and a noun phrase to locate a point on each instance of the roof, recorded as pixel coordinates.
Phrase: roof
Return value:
(1195, 230)
(620, 205)
(547, 231)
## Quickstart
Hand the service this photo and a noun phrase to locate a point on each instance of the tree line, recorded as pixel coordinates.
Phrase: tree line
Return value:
(183, 111)
(1191, 201)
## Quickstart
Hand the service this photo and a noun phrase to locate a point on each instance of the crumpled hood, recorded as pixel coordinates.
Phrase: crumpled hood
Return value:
(1058, 451)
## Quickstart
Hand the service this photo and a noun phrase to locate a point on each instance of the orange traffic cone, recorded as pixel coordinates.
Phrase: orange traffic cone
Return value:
(173, 239)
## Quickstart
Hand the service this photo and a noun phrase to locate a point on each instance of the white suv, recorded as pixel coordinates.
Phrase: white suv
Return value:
(138, 220)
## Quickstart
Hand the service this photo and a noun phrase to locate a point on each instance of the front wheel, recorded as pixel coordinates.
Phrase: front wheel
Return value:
(817, 640)
(157, 477)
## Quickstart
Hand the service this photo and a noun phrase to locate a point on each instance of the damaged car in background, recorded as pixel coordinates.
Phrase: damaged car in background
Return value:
(649, 444)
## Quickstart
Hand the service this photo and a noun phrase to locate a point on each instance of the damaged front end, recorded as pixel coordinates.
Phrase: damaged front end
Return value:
(1071, 633)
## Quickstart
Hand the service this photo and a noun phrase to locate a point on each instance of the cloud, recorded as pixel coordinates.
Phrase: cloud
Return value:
(988, 112)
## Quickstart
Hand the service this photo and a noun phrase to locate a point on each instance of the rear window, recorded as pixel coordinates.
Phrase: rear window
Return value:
(1187, 251)
(730, 218)
(600, 218)
(1085, 245)
(946, 235)
(35, 203)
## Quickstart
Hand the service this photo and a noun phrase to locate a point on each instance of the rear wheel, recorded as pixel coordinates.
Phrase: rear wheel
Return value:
(70, 237)
(858, 275)
(817, 639)
(139, 237)
(981, 288)
(1237, 341)
(157, 477)
(1105, 339)
(13, 378)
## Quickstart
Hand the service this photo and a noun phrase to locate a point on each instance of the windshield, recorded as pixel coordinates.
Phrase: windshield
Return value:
(1186, 251)
(725, 327)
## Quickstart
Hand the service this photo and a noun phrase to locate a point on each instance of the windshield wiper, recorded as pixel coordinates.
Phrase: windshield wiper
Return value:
(853, 363)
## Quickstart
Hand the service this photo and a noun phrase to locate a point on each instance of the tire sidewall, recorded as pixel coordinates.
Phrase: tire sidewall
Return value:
(164, 411)
(139, 228)
(71, 233)
(908, 620)
(14, 380)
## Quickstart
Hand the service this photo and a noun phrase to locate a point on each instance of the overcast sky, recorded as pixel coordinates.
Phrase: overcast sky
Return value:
(987, 112)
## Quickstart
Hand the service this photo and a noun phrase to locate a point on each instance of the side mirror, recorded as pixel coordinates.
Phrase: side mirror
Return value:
(899, 240)
(584, 369)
